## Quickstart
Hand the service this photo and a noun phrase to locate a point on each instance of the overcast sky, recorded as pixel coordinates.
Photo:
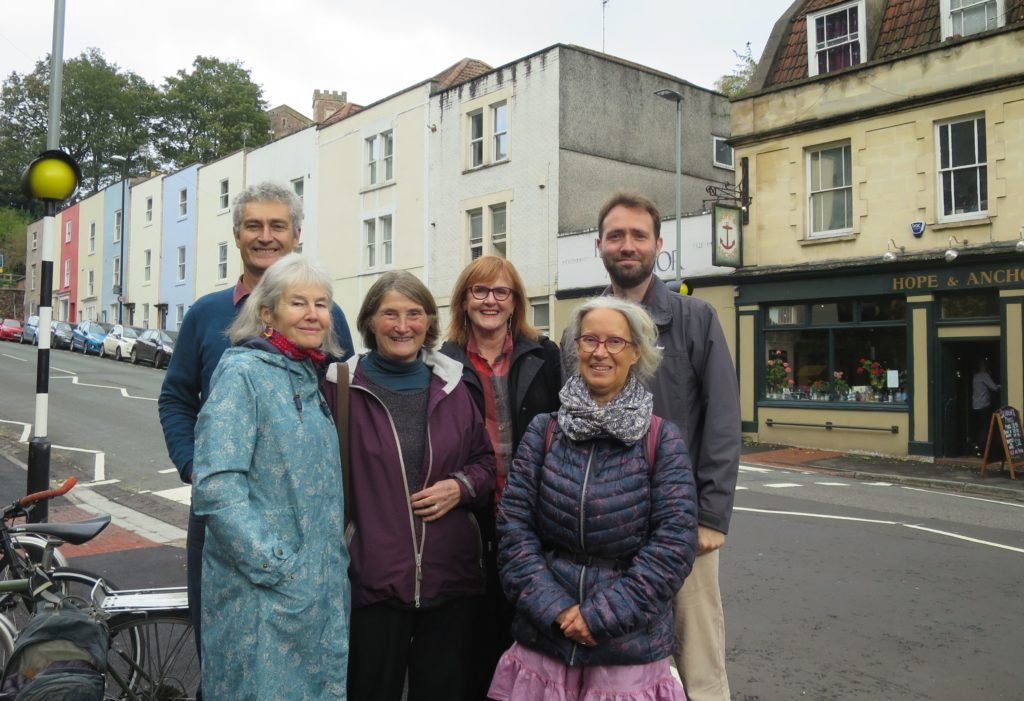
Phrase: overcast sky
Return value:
(373, 49)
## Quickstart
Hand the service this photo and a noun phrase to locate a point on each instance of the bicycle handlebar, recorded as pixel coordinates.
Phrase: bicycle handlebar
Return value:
(49, 493)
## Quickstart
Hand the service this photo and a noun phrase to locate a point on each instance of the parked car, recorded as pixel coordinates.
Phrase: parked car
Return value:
(88, 336)
(119, 342)
(30, 331)
(60, 334)
(10, 330)
(154, 346)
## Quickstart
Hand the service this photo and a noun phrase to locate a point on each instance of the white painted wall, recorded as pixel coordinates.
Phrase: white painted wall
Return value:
(213, 223)
(143, 236)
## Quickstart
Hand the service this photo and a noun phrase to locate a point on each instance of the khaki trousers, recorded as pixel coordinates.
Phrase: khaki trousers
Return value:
(700, 633)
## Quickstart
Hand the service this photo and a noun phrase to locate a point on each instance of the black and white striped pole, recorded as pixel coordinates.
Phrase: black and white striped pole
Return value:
(52, 177)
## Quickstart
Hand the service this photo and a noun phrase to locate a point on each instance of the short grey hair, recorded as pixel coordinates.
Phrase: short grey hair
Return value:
(641, 327)
(267, 192)
(289, 270)
(408, 285)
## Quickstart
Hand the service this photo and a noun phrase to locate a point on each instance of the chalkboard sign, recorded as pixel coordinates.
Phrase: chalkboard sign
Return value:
(1006, 425)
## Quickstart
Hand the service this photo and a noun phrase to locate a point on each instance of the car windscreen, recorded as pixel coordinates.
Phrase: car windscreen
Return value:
(130, 332)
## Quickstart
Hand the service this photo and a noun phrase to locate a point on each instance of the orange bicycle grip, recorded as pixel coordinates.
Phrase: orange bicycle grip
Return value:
(49, 493)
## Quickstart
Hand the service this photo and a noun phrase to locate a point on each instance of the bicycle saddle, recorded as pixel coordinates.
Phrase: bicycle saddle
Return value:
(75, 532)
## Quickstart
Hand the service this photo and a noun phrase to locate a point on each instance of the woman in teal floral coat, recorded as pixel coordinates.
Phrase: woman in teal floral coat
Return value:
(267, 478)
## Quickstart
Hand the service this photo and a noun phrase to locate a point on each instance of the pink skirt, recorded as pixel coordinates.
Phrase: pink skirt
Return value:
(525, 675)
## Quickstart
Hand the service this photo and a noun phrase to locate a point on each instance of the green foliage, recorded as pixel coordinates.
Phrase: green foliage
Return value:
(736, 83)
(211, 112)
(12, 239)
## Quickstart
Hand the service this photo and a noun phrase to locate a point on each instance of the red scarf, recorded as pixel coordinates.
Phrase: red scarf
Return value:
(289, 349)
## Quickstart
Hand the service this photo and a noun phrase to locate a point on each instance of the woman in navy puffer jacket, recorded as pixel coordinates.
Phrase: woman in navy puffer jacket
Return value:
(594, 539)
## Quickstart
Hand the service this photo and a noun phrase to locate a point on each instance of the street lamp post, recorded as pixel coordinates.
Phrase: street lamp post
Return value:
(673, 96)
(52, 177)
(120, 234)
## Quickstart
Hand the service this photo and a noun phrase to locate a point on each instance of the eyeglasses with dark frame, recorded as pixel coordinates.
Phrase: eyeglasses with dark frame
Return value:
(613, 344)
(500, 293)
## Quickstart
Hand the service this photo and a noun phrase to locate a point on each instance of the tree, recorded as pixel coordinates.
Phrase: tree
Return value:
(104, 112)
(208, 113)
(736, 83)
(12, 239)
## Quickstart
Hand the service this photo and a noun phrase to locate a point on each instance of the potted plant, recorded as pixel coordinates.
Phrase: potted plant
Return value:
(777, 375)
(819, 390)
(872, 372)
(840, 387)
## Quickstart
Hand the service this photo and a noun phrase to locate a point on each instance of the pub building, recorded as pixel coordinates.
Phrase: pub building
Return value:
(878, 357)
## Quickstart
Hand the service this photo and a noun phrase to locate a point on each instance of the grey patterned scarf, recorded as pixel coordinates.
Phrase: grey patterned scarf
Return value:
(626, 417)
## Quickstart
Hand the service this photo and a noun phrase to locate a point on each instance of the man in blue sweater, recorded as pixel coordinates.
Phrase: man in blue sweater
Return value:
(267, 221)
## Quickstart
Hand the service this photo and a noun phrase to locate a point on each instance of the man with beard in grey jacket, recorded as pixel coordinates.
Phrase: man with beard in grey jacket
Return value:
(695, 387)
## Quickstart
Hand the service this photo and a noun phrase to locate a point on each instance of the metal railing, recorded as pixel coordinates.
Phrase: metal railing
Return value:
(828, 426)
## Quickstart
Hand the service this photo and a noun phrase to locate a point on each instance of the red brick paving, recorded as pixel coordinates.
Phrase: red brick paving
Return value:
(789, 456)
(114, 538)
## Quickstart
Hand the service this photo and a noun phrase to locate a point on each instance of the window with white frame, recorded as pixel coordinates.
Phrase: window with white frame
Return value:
(147, 264)
(182, 203)
(378, 242)
(145, 316)
(149, 210)
(118, 221)
(830, 190)
(225, 194)
(179, 315)
(380, 156)
(963, 168)
(488, 230)
(541, 313)
(90, 286)
(722, 153)
(67, 232)
(92, 237)
(370, 242)
(181, 264)
(476, 139)
(222, 260)
(116, 276)
(67, 272)
(33, 276)
(35, 239)
(499, 125)
(299, 187)
(836, 38)
(966, 17)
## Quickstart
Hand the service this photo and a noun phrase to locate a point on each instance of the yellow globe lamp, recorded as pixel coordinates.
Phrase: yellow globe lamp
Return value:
(53, 176)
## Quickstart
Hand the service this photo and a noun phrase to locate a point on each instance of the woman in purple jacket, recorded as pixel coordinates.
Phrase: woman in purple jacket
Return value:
(597, 527)
(420, 461)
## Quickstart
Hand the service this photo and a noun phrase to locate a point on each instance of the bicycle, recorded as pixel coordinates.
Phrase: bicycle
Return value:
(152, 654)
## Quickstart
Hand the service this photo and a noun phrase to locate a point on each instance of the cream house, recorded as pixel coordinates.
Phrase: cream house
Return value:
(144, 237)
(882, 260)
(90, 258)
(217, 260)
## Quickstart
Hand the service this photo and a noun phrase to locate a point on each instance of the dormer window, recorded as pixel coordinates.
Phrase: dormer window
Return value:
(835, 38)
(965, 17)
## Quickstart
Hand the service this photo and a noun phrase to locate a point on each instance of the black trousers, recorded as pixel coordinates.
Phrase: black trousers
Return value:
(433, 646)
(982, 419)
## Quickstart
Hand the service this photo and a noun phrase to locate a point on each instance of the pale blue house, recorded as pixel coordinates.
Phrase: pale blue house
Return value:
(114, 251)
(177, 256)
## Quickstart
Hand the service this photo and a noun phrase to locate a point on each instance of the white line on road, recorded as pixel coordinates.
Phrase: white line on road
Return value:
(182, 495)
(802, 513)
(782, 485)
(22, 360)
(26, 429)
(967, 538)
(833, 484)
(122, 390)
(964, 496)
(167, 471)
(878, 484)
(751, 468)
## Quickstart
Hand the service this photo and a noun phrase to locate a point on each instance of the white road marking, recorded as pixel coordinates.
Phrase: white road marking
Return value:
(20, 360)
(751, 468)
(878, 484)
(833, 484)
(963, 537)
(182, 495)
(964, 496)
(26, 429)
(741, 488)
(99, 466)
(167, 471)
(782, 485)
(122, 390)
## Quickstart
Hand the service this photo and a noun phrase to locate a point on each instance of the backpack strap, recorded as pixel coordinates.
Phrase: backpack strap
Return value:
(549, 434)
(341, 423)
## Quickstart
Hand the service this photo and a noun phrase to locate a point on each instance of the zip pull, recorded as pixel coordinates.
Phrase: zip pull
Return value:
(298, 405)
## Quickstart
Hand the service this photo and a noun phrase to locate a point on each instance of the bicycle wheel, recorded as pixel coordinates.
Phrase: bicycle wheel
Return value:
(68, 582)
(152, 658)
(7, 633)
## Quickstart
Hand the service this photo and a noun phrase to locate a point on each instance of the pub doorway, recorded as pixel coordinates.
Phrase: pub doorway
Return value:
(958, 362)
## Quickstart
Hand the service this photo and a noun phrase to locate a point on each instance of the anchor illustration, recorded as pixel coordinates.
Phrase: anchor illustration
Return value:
(727, 243)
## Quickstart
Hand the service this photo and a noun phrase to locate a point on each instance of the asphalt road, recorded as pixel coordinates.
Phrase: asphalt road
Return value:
(842, 589)
(834, 589)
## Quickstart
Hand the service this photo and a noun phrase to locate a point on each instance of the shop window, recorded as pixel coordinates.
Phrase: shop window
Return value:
(976, 305)
(843, 351)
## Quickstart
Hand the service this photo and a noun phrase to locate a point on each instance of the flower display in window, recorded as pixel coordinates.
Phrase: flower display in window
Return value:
(871, 372)
(839, 384)
(777, 373)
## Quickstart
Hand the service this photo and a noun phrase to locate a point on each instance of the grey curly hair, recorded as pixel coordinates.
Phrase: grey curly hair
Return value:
(641, 327)
(267, 192)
